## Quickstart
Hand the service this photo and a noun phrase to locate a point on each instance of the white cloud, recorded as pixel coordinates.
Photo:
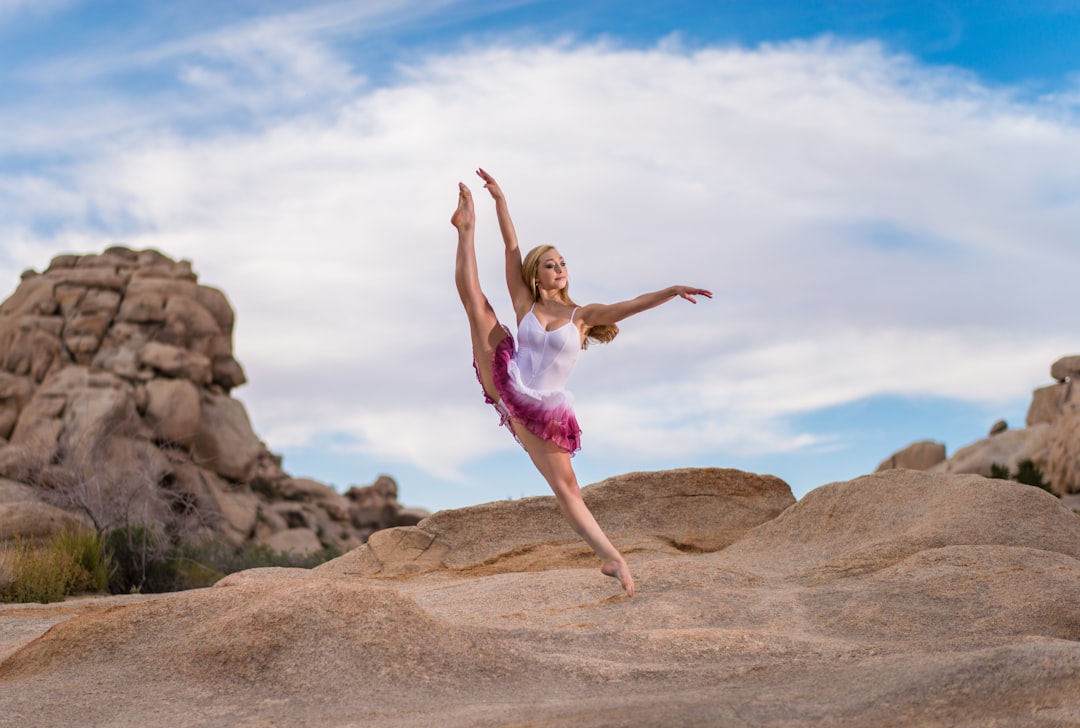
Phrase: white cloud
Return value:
(869, 226)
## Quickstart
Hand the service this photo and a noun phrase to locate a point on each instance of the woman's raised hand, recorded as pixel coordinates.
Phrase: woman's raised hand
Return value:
(688, 293)
(490, 185)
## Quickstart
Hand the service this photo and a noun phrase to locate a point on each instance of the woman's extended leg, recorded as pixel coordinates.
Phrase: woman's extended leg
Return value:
(484, 327)
(554, 464)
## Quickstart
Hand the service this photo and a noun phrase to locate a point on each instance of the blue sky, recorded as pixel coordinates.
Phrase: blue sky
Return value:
(882, 195)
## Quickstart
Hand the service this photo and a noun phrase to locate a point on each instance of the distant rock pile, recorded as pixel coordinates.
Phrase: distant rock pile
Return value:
(115, 374)
(1051, 439)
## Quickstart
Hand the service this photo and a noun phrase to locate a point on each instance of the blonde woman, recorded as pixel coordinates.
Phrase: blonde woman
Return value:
(525, 380)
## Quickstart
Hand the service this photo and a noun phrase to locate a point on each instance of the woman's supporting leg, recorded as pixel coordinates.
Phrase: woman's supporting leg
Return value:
(484, 327)
(554, 464)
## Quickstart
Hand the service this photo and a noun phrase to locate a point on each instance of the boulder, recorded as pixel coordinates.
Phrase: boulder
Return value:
(692, 510)
(12, 491)
(175, 361)
(298, 541)
(1008, 448)
(173, 410)
(239, 509)
(870, 523)
(1046, 403)
(33, 297)
(1066, 368)
(31, 345)
(15, 393)
(35, 520)
(1063, 466)
(921, 455)
(334, 504)
(225, 442)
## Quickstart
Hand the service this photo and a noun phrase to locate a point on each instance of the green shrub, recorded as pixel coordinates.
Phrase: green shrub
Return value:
(87, 550)
(144, 561)
(40, 574)
(202, 564)
(1027, 472)
(141, 560)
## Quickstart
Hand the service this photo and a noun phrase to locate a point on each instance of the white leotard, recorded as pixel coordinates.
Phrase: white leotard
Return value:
(544, 358)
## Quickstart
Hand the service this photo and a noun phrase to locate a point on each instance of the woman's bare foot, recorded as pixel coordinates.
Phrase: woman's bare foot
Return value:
(463, 216)
(619, 570)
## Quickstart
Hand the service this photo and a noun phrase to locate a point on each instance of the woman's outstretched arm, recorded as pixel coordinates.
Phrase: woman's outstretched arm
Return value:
(519, 292)
(598, 314)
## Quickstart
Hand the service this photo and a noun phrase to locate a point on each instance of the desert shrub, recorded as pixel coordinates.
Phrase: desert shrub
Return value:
(39, 574)
(145, 562)
(202, 564)
(87, 550)
(1027, 472)
(141, 560)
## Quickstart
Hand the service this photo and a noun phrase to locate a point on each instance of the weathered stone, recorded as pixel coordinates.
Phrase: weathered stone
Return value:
(188, 324)
(1065, 368)
(12, 491)
(227, 372)
(166, 287)
(165, 268)
(411, 516)
(176, 361)
(697, 510)
(31, 346)
(371, 509)
(299, 541)
(89, 277)
(173, 410)
(34, 297)
(214, 301)
(1046, 403)
(83, 333)
(15, 393)
(237, 507)
(998, 427)
(921, 455)
(143, 307)
(1007, 449)
(1063, 468)
(225, 442)
(33, 520)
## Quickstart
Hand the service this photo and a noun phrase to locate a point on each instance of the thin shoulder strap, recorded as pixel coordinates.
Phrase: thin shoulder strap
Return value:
(573, 312)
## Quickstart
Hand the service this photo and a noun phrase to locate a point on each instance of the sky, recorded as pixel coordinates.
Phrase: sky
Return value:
(883, 197)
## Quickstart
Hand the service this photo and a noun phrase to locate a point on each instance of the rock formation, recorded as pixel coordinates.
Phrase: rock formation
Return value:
(1051, 439)
(115, 380)
(902, 598)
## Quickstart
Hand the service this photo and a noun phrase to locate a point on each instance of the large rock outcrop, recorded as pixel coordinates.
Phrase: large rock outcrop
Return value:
(115, 378)
(668, 512)
(903, 599)
(1051, 440)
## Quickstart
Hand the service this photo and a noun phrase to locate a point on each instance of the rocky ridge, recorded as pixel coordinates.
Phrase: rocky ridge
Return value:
(115, 408)
(1051, 439)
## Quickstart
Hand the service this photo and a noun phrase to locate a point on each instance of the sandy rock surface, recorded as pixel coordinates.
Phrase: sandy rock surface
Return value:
(901, 598)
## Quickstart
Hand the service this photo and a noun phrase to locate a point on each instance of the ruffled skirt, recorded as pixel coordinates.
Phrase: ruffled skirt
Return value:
(546, 414)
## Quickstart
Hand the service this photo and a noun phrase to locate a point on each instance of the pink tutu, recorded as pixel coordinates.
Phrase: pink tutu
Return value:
(546, 414)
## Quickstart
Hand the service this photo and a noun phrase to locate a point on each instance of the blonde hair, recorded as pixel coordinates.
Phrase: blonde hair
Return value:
(530, 266)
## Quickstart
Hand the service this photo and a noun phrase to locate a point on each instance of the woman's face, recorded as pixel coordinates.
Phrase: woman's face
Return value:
(551, 274)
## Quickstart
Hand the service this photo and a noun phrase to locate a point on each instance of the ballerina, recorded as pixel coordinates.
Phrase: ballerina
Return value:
(526, 381)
